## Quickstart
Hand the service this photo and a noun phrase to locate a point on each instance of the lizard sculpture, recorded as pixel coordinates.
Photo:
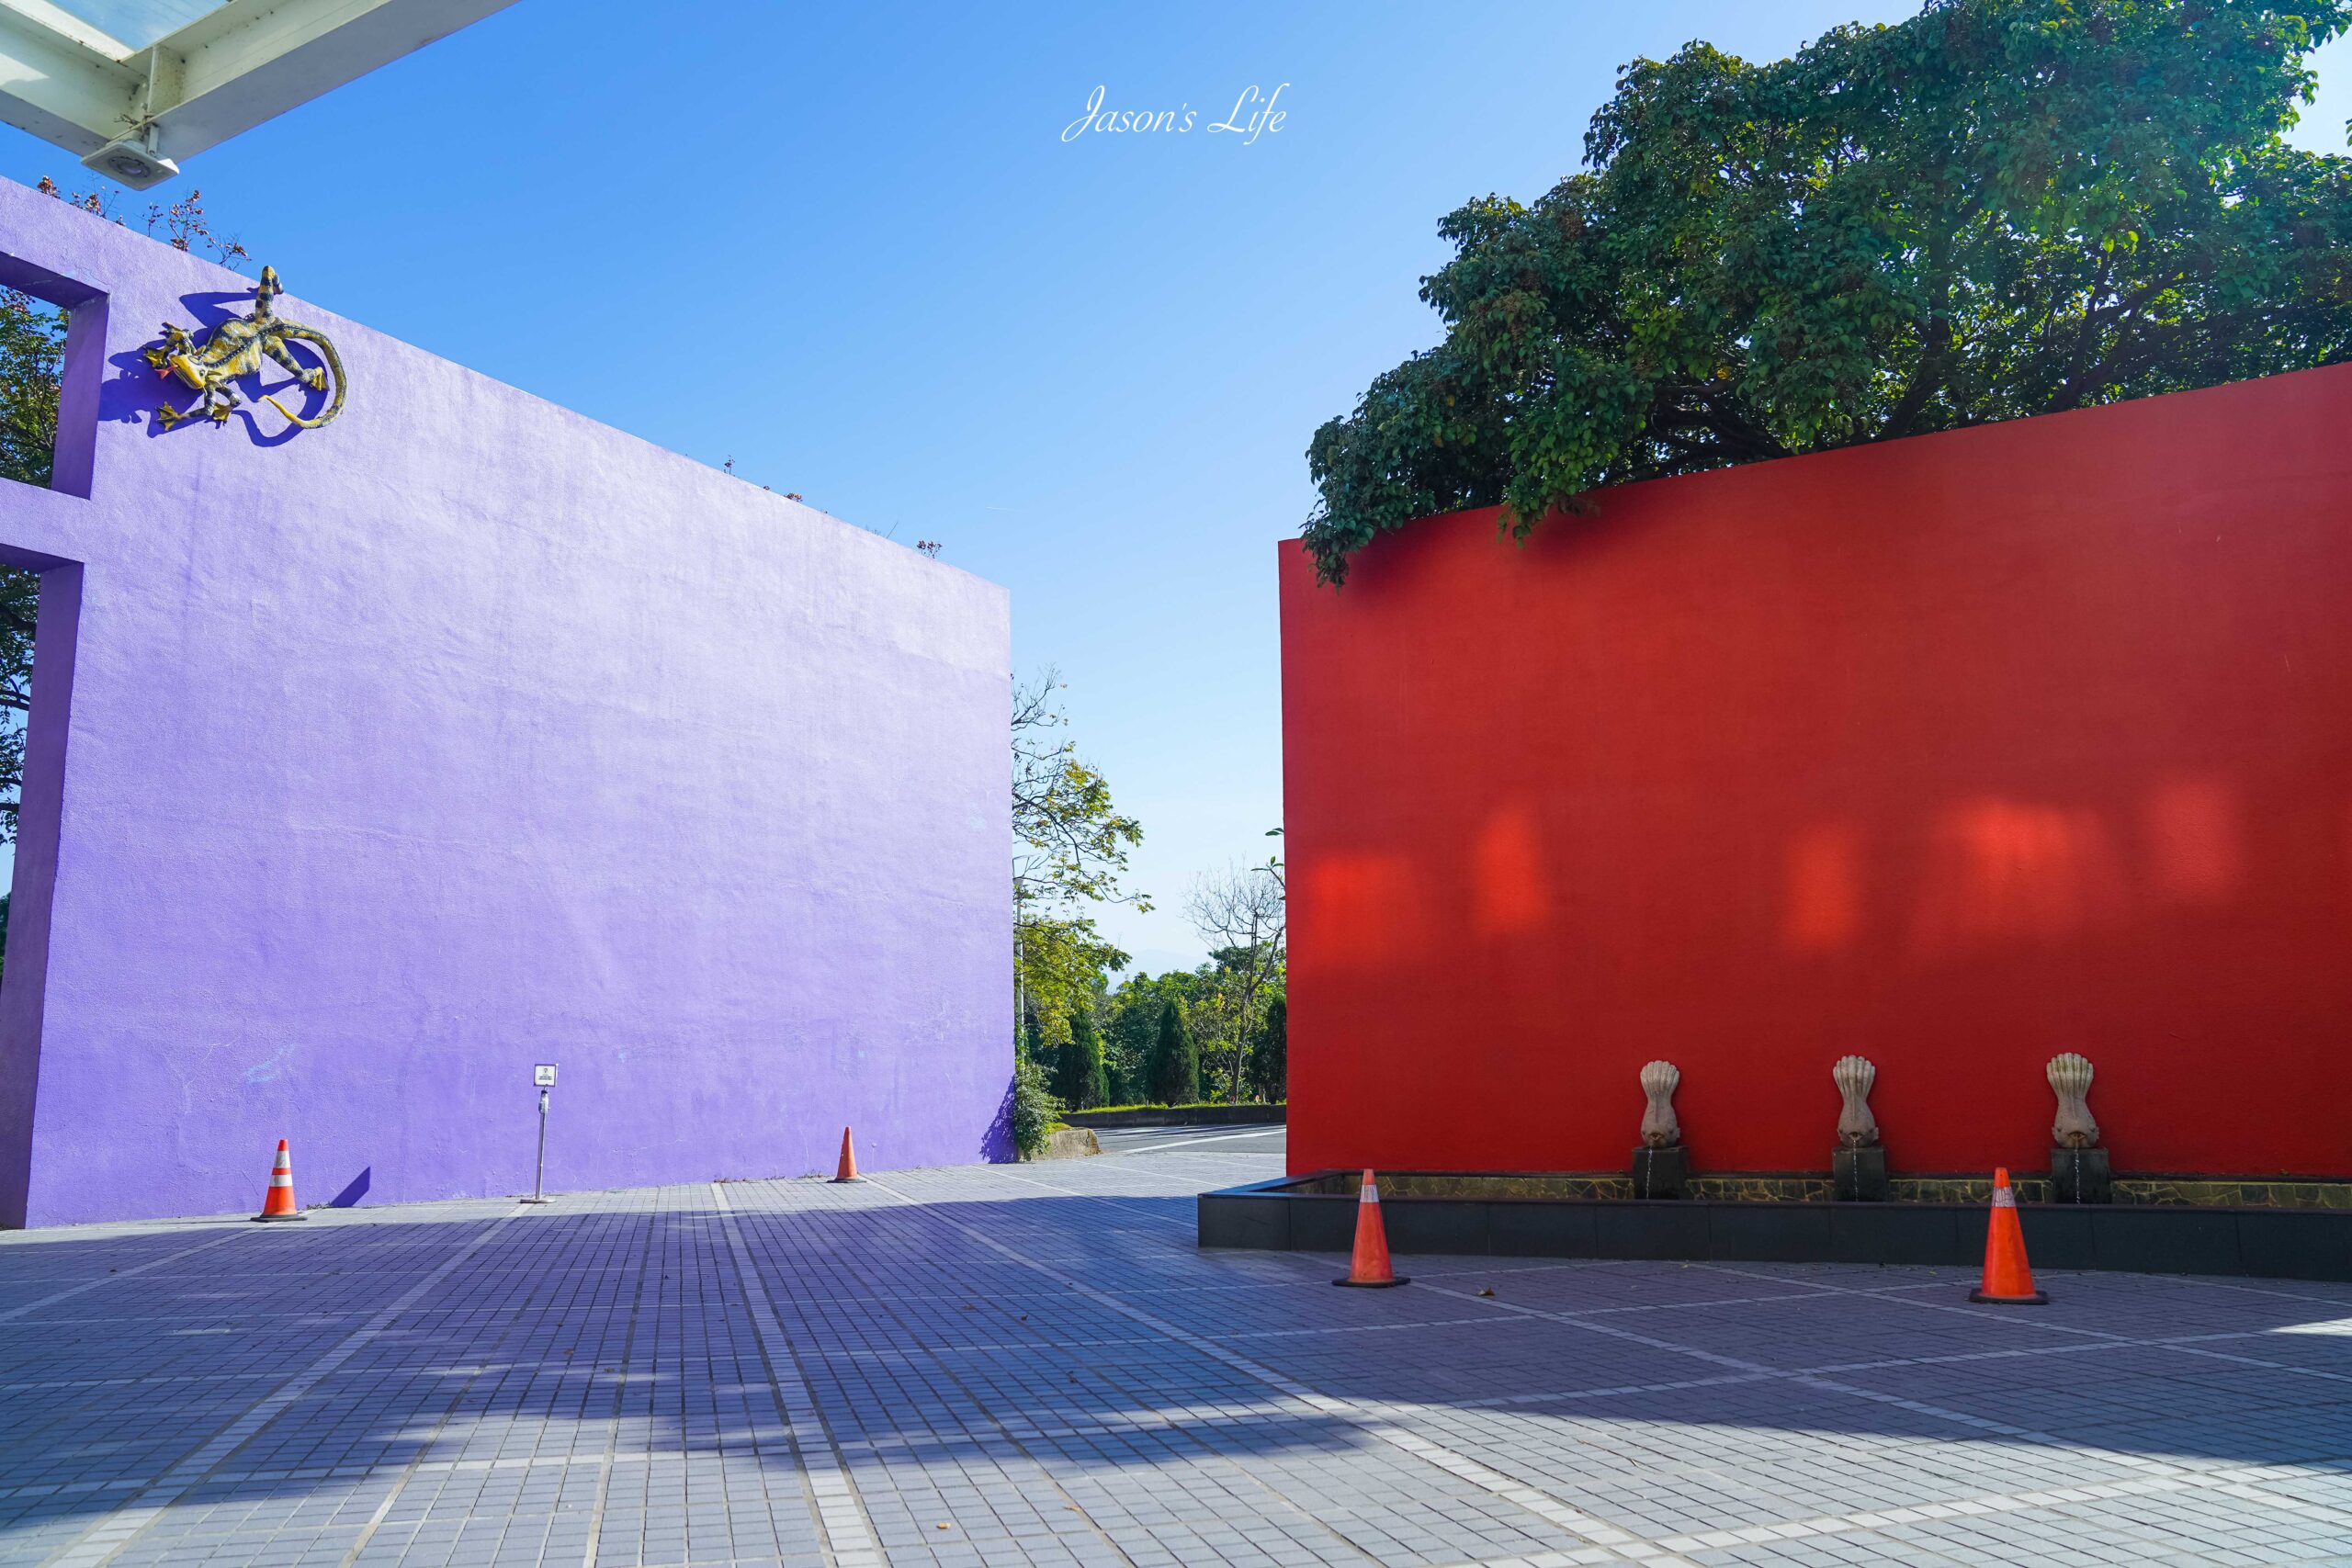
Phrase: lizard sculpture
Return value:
(235, 351)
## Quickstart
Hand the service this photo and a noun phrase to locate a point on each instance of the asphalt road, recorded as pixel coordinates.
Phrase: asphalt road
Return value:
(1181, 1140)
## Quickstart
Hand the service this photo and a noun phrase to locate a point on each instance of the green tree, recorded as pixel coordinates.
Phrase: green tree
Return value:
(1996, 209)
(1078, 1062)
(1240, 911)
(20, 611)
(1060, 1063)
(1175, 1063)
(1071, 847)
(1269, 1064)
(1131, 1032)
(32, 360)
(1224, 1002)
(1089, 1085)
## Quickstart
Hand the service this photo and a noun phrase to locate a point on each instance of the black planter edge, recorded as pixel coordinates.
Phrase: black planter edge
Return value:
(2275, 1243)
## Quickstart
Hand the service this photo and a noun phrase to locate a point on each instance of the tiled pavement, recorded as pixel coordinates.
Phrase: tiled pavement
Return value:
(994, 1366)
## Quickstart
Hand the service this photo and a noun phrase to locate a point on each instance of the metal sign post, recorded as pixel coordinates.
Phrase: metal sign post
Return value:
(544, 1076)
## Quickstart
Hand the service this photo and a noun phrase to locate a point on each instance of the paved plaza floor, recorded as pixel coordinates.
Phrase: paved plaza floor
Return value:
(1034, 1365)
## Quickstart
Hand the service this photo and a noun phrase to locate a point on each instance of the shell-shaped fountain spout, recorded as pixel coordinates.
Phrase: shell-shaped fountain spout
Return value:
(1856, 1128)
(1659, 1129)
(2070, 1080)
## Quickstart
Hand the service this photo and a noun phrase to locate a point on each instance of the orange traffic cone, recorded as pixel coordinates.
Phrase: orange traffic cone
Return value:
(2007, 1278)
(1369, 1267)
(848, 1171)
(277, 1202)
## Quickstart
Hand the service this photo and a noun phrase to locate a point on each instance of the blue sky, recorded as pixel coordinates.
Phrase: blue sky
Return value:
(847, 246)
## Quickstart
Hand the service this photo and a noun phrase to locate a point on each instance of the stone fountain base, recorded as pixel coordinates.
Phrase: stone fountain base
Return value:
(2080, 1176)
(1859, 1176)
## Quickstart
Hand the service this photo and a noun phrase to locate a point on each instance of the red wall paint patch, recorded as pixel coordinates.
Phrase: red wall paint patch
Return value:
(1957, 752)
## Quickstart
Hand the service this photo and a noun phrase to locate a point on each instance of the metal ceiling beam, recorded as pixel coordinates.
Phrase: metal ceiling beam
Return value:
(245, 63)
(59, 84)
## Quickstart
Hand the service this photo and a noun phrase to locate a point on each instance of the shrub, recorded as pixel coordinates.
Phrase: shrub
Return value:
(1035, 1109)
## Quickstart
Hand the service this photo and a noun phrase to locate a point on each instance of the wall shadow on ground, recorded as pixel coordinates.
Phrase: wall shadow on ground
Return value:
(568, 1318)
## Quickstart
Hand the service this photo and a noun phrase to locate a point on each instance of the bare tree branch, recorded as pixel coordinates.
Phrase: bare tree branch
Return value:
(1240, 913)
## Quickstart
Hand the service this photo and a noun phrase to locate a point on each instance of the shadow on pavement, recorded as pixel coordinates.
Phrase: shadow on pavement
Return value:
(938, 1333)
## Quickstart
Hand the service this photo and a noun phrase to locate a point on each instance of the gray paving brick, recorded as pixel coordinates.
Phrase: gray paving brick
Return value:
(1039, 1360)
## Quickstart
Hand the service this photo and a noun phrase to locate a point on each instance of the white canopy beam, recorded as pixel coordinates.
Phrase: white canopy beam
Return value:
(131, 113)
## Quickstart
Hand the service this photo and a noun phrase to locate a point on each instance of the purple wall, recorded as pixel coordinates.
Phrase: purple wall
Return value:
(371, 764)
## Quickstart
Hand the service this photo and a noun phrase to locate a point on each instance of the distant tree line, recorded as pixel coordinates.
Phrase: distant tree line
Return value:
(1177, 1039)
(1218, 1032)
(1085, 1037)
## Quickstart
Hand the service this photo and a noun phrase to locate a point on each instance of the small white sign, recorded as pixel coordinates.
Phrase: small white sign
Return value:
(544, 1075)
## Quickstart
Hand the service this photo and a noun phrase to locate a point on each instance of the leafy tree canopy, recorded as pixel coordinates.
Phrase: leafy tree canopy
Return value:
(1996, 209)
(32, 354)
(1070, 849)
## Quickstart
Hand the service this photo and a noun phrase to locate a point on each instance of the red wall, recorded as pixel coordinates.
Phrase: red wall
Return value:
(1956, 752)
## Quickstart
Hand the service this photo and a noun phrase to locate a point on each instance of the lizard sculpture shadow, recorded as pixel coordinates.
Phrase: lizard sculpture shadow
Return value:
(235, 350)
